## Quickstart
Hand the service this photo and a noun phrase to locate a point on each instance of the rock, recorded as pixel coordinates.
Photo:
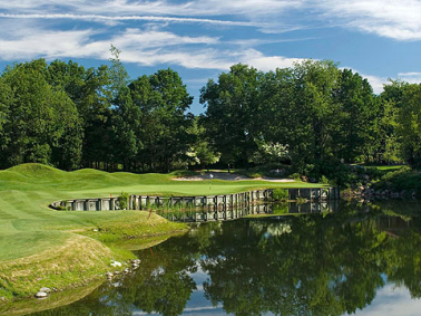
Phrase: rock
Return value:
(2, 298)
(116, 264)
(45, 289)
(366, 177)
(127, 270)
(41, 294)
(95, 230)
(109, 275)
(116, 272)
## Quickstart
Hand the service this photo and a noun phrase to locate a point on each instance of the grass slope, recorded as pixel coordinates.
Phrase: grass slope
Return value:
(29, 228)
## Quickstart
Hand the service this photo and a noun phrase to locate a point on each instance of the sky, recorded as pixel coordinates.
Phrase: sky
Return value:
(200, 39)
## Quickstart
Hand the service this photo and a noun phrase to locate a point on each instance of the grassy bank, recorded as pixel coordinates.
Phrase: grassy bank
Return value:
(41, 247)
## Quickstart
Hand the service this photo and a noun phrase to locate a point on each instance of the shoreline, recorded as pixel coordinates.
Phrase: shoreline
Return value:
(85, 257)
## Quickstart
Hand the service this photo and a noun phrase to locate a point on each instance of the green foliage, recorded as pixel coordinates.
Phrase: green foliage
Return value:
(201, 151)
(403, 179)
(280, 194)
(123, 200)
(271, 153)
(315, 115)
(296, 176)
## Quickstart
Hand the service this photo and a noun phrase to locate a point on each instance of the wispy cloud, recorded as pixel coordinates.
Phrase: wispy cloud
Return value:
(411, 77)
(396, 19)
(93, 17)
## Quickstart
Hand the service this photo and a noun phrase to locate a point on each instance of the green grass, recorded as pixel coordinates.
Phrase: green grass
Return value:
(385, 168)
(28, 227)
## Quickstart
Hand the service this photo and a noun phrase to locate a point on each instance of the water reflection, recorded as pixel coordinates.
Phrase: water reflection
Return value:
(223, 212)
(324, 264)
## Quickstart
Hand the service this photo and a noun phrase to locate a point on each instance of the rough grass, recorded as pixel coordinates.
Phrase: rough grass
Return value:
(32, 236)
(75, 262)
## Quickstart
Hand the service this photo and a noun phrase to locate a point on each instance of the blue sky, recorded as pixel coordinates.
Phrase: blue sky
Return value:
(380, 39)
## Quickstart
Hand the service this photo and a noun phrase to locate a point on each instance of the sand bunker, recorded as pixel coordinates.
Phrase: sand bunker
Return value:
(228, 177)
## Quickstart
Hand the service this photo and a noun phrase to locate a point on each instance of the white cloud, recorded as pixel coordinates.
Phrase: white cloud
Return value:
(266, 63)
(392, 301)
(397, 19)
(99, 18)
(411, 77)
(377, 83)
(198, 7)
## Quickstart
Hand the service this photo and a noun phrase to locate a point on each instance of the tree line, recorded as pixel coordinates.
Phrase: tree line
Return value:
(313, 116)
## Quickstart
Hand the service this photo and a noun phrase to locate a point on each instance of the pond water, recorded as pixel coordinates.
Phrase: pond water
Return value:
(362, 260)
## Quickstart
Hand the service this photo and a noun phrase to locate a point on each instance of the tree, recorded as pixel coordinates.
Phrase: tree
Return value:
(201, 151)
(6, 100)
(163, 100)
(353, 137)
(232, 107)
(38, 115)
(409, 124)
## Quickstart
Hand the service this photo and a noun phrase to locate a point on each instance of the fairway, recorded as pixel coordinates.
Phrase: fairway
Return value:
(30, 230)
(27, 190)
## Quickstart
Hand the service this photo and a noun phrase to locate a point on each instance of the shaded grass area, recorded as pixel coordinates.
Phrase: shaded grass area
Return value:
(385, 168)
(39, 243)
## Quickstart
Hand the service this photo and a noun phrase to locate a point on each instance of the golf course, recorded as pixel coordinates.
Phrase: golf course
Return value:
(41, 247)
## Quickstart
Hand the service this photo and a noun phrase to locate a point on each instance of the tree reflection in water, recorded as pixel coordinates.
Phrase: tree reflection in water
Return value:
(306, 265)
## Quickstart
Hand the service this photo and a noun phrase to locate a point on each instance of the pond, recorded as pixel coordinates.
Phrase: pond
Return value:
(362, 260)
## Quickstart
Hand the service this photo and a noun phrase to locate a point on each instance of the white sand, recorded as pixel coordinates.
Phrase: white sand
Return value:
(229, 177)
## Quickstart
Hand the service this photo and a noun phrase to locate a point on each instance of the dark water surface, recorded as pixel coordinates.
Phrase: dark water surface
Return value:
(362, 260)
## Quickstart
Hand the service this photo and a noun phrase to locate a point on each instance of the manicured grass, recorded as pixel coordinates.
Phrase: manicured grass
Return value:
(29, 228)
(385, 168)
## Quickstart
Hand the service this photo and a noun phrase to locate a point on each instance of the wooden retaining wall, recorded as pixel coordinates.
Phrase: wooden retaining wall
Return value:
(142, 202)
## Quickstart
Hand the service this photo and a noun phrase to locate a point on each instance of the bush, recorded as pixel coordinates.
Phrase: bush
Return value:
(403, 179)
(123, 200)
(280, 195)
(296, 176)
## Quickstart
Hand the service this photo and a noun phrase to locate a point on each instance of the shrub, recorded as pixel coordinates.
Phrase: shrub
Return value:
(280, 195)
(123, 200)
(296, 176)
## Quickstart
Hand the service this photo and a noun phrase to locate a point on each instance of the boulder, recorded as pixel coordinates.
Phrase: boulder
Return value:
(116, 264)
(45, 289)
(41, 294)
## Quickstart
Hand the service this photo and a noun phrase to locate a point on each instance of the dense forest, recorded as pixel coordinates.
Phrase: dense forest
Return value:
(313, 118)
